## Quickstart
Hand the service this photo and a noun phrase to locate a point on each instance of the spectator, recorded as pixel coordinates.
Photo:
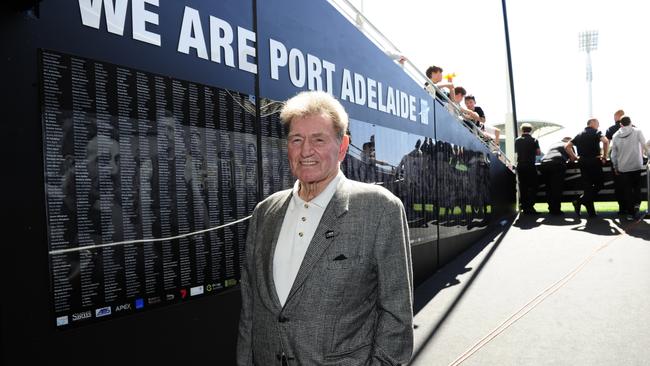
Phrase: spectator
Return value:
(434, 73)
(590, 163)
(470, 118)
(617, 124)
(488, 131)
(527, 148)
(553, 167)
(628, 146)
(369, 154)
(470, 103)
(618, 179)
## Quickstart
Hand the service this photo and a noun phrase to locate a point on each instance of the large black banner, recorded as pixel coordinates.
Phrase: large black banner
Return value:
(148, 180)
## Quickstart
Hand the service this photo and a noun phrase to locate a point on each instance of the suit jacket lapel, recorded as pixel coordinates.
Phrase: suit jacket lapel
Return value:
(273, 226)
(319, 243)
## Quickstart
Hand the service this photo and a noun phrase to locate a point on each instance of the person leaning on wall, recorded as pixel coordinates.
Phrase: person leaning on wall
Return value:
(553, 167)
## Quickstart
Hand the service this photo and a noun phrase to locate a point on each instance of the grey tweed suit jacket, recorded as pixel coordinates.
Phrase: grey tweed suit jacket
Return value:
(351, 301)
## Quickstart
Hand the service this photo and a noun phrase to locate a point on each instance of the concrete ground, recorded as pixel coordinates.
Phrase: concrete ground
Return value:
(541, 290)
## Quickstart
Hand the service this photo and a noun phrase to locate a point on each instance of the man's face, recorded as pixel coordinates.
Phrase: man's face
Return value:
(470, 103)
(314, 149)
(458, 98)
(436, 77)
(618, 116)
(594, 123)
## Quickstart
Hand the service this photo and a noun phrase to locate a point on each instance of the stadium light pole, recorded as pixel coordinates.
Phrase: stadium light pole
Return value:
(588, 41)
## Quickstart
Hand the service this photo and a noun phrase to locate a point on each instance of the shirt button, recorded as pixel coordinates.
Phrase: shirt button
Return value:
(306, 205)
(300, 234)
(304, 218)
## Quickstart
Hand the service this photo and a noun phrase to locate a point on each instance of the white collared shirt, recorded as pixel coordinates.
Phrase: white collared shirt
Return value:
(298, 228)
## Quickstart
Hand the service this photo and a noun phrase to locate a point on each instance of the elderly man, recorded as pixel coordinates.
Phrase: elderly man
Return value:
(327, 278)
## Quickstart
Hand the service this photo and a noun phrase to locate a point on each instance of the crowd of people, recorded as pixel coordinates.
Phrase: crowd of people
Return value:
(623, 143)
(465, 104)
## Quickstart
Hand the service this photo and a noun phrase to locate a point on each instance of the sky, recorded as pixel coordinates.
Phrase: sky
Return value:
(467, 37)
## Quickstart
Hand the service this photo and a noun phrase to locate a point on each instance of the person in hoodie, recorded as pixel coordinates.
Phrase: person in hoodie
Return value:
(628, 147)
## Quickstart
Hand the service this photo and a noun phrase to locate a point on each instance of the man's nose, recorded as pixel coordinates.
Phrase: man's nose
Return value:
(306, 148)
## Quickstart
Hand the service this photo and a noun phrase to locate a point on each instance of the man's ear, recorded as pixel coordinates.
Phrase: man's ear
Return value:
(343, 148)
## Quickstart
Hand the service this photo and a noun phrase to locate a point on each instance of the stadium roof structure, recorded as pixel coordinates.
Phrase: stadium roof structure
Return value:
(540, 128)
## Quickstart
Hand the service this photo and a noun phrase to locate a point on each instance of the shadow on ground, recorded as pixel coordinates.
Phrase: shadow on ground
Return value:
(600, 225)
(447, 276)
(640, 229)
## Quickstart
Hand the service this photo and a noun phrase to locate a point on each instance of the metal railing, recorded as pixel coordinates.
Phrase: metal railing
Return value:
(366, 27)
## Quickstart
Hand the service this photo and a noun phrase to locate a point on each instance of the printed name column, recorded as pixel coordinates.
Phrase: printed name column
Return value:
(59, 176)
(245, 156)
(108, 145)
(86, 178)
(212, 152)
(167, 183)
(149, 187)
(129, 176)
(199, 181)
(227, 192)
(183, 176)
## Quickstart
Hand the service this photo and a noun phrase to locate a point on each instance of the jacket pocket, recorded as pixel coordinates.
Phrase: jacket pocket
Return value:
(360, 353)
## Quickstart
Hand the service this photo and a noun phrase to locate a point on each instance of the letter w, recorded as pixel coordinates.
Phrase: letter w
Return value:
(91, 11)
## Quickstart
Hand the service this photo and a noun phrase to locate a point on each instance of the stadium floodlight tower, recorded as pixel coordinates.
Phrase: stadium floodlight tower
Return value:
(589, 42)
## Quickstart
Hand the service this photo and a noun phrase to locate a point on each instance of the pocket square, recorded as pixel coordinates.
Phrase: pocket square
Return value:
(341, 257)
(330, 234)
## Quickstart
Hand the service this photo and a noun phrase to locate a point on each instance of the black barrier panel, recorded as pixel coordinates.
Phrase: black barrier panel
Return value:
(572, 186)
(467, 178)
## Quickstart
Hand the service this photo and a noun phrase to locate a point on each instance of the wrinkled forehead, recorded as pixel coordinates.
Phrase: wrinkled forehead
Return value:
(319, 123)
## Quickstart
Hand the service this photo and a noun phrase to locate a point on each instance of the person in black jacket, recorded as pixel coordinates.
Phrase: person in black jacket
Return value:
(553, 167)
(590, 163)
(527, 148)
